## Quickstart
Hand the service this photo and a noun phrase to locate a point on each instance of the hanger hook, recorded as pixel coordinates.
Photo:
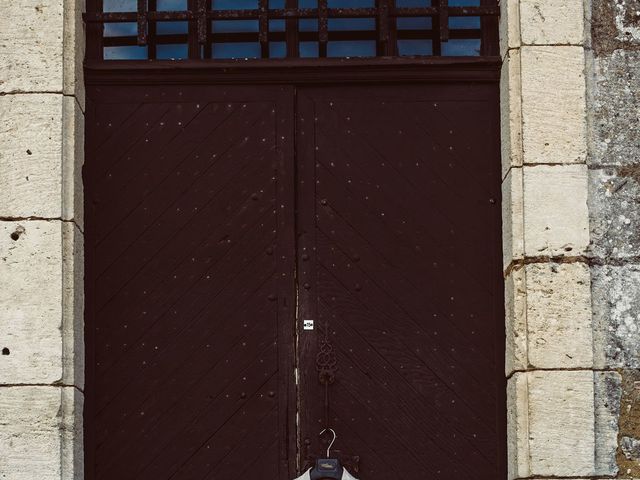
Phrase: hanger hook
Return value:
(333, 440)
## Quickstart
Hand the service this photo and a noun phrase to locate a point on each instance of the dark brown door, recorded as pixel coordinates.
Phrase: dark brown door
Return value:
(399, 254)
(220, 218)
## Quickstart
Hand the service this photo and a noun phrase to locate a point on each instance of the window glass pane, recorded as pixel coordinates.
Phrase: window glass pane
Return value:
(120, 6)
(276, 3)
(413, 3)
(308, 3)
(461, 47)
(234, 26)
(352, 24)
(171, 5)
(125, 53)
(276, 25)
(417, 23)
(172, 52)
(236, 50)
(170, 28)
(355, 48)
(415, 47)
(464, 3)
(309, 49)
(277, 49)
(308, 25)
(235, 4)
(351, 3)
(464, 22)
(120, 29)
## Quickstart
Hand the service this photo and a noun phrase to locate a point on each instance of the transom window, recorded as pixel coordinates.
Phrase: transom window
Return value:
(264, 29)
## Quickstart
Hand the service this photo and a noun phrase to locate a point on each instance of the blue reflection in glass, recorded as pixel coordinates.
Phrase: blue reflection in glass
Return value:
(352, 24)
(120, 6)
(308, 3)
(120, 29)
(276, 25)
(415, 47)
(412, 3)
(353, 48)
(464, 22)
(172, 28)
(236, 50)
(417, 23)
(276, 4)
(277, 49)
(171, 5)
(235, 4)
(464, 3)
(308, 25)
(309, 49)
(125, 53)
(461, 47)
(234, 26)
(172, 52)
(351, 3)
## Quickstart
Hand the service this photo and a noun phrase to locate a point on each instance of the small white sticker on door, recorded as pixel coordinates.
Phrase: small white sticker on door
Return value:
(308, 324)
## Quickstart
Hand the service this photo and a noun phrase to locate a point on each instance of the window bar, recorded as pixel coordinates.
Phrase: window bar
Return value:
(443, 15)
(208, 47)
(382, 8)
(202, 22)
(323, 27)
(489, 31)
(95, 32)
(436, 44)
(291, 31)
(152, 26)
(142, 22)
(263, 27)
(193, 45)
(392, 48)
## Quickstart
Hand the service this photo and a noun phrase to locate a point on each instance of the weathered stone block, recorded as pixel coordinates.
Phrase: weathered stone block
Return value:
(553, 104)
(616, 316)
(40, 433)
(72, 201)
(555, 210)
(559, 330)
(551, 431)
(516, 357)
(74, 49)
(31, 46)
(552, 22)
(511, 112)
(512, 217)
(509, 25)
(31, 302)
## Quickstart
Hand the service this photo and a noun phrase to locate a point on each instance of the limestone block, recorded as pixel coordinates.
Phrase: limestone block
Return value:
(516, 321)
(552, 22)
(72, 305)
(31, 302)
(512, 217)
(555, 210)
(31, 48)
(72, 161)
(553, 104)
(559, 328)
(30, 155)
(551, 432)
(74, 49)
(40, 433)
(511, 112)
(509, 25)
(616, 316)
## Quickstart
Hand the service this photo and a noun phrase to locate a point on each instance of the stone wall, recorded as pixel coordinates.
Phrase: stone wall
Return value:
(41, 289)
(614, 212)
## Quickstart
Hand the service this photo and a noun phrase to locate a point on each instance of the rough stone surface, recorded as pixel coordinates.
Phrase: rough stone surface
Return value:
(509, 25)
(628, 454)
(553, 104)
(516, 357)
(555, 210)
(552, 22)
(615, 25)
(512, 217)
(607, 391)
(511, 112)
(31, 46)
(616, 309)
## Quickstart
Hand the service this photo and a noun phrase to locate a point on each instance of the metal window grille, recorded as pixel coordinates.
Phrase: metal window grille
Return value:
(204, 30)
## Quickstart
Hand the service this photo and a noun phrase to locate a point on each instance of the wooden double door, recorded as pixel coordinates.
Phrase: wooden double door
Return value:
(220, 218)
